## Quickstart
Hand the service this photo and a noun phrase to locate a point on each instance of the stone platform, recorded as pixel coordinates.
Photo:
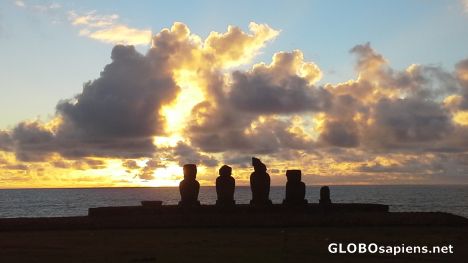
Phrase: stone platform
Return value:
(156, 208)
(152, 214)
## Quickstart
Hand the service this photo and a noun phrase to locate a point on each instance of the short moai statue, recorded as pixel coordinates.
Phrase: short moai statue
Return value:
(189, 187)
(225, 186)
(295, 189)
(325, 196)
(260, 184)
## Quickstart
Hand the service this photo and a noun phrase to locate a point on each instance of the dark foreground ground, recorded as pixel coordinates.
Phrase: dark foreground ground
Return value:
(292, 244)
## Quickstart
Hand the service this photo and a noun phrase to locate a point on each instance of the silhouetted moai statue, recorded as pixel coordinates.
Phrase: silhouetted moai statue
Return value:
(295, 189)
(225, 185)
(189, 187)
(260, 184)
(325, 196)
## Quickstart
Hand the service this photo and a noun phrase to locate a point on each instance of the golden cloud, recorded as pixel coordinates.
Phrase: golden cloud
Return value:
(181, 102)
(107, 29)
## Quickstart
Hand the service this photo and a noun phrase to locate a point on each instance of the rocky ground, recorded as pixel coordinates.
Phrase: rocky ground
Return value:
(291, 244)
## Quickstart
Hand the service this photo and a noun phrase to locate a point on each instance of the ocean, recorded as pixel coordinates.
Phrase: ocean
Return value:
(75, 202)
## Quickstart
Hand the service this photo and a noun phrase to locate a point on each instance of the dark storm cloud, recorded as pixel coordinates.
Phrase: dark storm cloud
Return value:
(282, 87)
(225, 122)
(130, 164)
(264, 137)
(32, 141)
(390, 109)
(6, 143)
(81, 164)
(238, 160)
(18, 167)
(340, 133)
(339, 128)
(256, 92)
(184, 154)
(367, 58)
(376, 75)
(122, 103)
(411, 120)
(31, 134)
(147, 172)
(116, 115)
(425, 82)
(435, 166)
(462, 75)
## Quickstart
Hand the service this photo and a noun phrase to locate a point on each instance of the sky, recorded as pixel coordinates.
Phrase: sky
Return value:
(123, 93)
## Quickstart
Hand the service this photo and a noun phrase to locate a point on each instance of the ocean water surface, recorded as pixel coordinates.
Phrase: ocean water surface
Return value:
(75, 202)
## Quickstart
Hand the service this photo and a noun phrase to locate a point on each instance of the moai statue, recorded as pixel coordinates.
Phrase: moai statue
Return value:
(325, 196)
(260, 184)
(295, 189)
(225, 185)
(189, 187)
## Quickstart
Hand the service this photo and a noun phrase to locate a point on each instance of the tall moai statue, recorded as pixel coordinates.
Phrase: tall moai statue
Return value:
(325, 196)
(189, 187)
(260, 184)
(225, 186)
(295, 189)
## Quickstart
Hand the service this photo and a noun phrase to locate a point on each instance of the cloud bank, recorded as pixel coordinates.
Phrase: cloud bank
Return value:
(185, 101)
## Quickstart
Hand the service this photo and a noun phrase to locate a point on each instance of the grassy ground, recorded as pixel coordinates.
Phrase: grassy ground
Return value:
(226, 244)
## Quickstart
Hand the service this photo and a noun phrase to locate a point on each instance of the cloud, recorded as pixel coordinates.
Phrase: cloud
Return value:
(116, 115)
(462, 76)
(20, 3)
(119, 111)
(410, 121)
(235, 117)
(130, 164)
(43, 8)
(465, 5)
(219, 50)
(33, 142)
(340, 133)
(382, 109)
(390, 109)
(284, 86)
(147, 172)
(220, 46)
(181, 102)
(184, 153)
(121, 34)
(82, 164)
(6, 143)
(46, 8)
(92, 19)
(107, 29)
(124, 100)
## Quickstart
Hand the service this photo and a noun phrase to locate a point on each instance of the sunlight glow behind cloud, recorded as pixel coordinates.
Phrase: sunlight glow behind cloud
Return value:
(199, 100)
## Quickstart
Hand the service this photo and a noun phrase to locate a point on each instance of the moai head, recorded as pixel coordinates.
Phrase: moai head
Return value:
(190, 172)
(225, 170)
(293, 175)
(258, 165)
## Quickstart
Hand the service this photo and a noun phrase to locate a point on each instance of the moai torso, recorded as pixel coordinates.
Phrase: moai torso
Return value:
(260, 183)
(225, 186)
(325, 196)
(295, 189)
(189, 187)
